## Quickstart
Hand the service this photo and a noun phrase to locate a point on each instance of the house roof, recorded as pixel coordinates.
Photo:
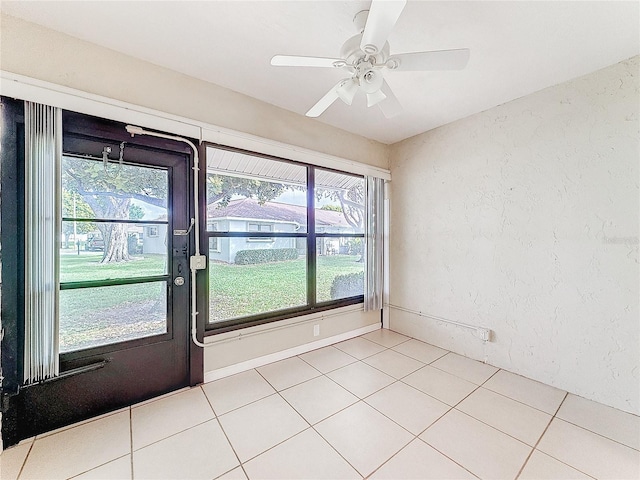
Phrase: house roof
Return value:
(273, 211)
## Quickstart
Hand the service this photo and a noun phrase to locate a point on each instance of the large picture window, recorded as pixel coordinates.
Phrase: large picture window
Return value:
(284, 238)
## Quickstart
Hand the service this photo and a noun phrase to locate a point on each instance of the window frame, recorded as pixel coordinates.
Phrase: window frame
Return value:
(259, 230)
(312, 305)
(214, 228)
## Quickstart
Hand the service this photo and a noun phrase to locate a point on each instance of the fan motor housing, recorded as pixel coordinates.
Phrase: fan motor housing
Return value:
(353, 54)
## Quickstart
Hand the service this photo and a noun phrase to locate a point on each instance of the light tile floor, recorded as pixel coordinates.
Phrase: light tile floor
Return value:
(380, 406)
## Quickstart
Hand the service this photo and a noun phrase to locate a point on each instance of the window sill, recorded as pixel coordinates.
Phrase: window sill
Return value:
(246, 322)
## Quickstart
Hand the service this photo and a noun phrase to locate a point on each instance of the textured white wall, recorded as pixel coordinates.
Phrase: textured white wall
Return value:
(524, 219)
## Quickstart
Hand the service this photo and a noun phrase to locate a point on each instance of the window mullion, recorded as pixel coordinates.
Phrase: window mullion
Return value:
(311, 238)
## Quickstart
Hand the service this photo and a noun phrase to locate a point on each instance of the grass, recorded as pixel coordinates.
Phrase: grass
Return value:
(87, 266)
(100, 315)
(240, 290)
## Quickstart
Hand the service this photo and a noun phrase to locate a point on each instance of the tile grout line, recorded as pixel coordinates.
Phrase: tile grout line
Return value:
(447, 412)
(97, 466)
(217, 418)
(448, 457)
(333, 370)
(526, 460)
(598, 434)
(24, 462)
(518, 401)
(312, 426)
(172, 435)
(290, 386)
(540, 439)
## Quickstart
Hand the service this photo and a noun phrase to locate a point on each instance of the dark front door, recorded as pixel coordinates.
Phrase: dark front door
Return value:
(124, 280)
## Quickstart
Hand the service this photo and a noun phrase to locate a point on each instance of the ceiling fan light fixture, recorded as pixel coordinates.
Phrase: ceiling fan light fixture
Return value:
(347, 91)
(375, 98)
(371, 81)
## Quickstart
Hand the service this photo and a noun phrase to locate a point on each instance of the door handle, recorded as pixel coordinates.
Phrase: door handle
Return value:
(179, 281)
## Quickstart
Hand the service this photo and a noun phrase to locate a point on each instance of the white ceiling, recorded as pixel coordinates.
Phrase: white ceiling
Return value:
(517, 47)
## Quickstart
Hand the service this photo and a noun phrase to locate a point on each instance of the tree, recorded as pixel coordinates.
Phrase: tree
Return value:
(351, 203)
(352, 208)
(108, 191)
(221, 188)
(135, 212)
(81, 210)
(331, 208)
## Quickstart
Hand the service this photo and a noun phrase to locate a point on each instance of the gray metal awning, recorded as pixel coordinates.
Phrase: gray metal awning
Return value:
(252, 166)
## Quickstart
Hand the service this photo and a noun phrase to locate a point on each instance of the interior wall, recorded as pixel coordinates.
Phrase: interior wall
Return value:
(37, 52)
(248, 344)
(524, 219)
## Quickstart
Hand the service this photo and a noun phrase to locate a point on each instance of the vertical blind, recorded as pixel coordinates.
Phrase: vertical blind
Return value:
(43, 152)
(374, 272)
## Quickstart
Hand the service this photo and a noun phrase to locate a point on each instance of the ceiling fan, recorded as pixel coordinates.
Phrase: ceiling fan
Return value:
(366, 55)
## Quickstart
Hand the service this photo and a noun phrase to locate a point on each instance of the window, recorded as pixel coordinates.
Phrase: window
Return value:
(284, 238)
(260, 227)
(213, 241)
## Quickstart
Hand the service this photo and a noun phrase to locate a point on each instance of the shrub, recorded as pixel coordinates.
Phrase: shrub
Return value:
(265, 255)
(349, 285)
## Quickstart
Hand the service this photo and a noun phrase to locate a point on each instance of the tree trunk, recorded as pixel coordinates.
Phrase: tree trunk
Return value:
(116, 248)
(115, 244)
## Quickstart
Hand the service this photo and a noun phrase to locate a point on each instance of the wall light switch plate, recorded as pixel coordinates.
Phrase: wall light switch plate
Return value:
(316, 330)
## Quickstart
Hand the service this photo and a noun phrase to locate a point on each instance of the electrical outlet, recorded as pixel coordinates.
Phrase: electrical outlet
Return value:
(198, 262)
(484, 334)
(316, 330)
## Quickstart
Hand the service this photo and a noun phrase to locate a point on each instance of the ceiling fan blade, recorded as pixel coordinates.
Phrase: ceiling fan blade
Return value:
(325, 102)
(436, 60)
(297, 61)
(382, 17)
(390, 106)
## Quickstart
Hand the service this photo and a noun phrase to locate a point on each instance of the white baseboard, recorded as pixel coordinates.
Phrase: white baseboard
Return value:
(281, 355)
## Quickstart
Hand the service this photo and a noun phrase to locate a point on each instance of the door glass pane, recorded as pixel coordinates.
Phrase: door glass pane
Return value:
(115, 192)
(249, 279)
(83, 256)
(91, 317)
(340, 268)
(115, 226)
(339, 202)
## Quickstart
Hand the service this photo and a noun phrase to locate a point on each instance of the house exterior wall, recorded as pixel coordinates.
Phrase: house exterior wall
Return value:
(524, 219)
(157, 244)
(229, 247)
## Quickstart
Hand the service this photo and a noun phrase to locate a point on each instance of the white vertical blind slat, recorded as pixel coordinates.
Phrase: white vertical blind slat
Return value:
(374, 274)
(43, 152)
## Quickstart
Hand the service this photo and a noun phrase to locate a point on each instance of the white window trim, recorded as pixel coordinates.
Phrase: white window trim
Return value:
(259, 239)
(213, 227)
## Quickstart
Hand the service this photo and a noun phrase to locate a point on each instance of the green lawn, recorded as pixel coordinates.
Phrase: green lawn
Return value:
(86, 266)
(240, 290)
(114, 313)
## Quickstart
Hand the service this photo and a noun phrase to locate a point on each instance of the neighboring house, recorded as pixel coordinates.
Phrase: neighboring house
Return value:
(248, 215)
(154, 237)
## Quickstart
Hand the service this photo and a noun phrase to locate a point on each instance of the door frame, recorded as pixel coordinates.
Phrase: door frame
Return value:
(13, 290)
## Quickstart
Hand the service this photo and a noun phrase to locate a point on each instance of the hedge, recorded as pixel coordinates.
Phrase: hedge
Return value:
(265, 255)
(349, 285)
